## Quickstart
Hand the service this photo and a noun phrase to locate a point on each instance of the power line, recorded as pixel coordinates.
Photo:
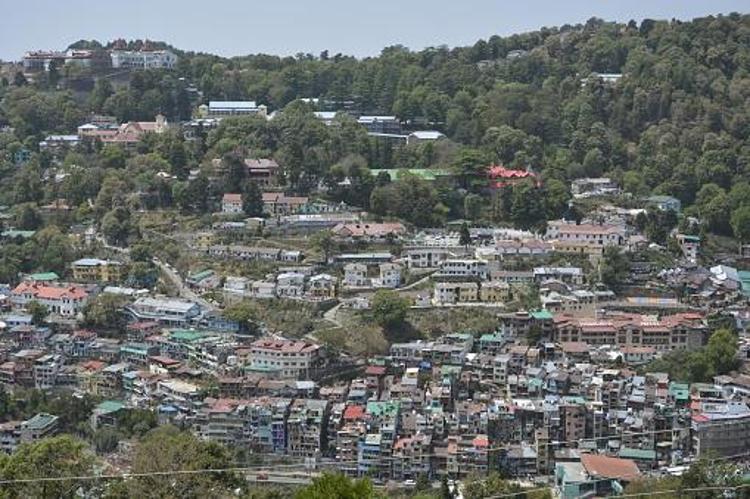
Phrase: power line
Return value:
(641, 494)
(150, 473)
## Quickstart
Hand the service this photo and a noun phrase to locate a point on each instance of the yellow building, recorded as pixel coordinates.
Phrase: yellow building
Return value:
(494, 292)
(95, 270)
(578, 247)
(204, 239)
(455, 292)
(322, 286)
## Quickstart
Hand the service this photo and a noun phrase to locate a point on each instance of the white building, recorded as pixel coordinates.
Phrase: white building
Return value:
(390, 276)
(237, 286)
(568, 275)
(291, 359)
(355, 275)
(143, 59)
(426, 258)
(62, 300)
(170, 311)
(231, 204)
(690, 246)
(46, 369)
(218, 109)
(424, 136)
(263, 289)
(591, 187)
(464, 267)
(290, 284)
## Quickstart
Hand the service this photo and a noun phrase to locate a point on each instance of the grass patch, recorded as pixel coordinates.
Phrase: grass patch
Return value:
(435, 322)
(368, 339)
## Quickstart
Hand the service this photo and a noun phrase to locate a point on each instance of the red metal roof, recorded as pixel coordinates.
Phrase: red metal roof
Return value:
(353, 412)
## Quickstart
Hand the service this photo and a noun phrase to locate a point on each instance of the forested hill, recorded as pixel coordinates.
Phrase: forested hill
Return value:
(680, 115)
(677, 122)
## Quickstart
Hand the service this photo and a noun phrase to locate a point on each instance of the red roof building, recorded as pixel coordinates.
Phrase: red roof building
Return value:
(354, 413)
(60, 300)
(500, 176)
(610, 467)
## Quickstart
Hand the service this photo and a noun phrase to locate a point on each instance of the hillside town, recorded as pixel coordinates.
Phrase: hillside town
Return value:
(316, 288)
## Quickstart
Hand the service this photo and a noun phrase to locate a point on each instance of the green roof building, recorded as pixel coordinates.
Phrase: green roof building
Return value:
(744, 276)
(429, 174)
(637, 454)
(24, 234)
(541, 315)
(186, 335)
(109, 407)
(385, 409)
(44, 277)
(680, 392)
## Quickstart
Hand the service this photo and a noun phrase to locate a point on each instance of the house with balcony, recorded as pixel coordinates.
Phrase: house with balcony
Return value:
(231, 204)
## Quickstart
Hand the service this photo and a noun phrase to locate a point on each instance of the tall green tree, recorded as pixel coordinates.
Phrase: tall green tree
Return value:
(252, 200)
(389, 309)
(62, 456)
(167, 449)
(338, 486)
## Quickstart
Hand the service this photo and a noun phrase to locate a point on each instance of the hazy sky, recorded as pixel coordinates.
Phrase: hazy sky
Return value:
(283, 27)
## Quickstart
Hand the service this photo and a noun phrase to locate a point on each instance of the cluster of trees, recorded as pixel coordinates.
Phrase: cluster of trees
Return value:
(389, 309)
(168, 462)
(23, 404)
(716, 478)
(719, 356)
(49, 249)
(162, 450)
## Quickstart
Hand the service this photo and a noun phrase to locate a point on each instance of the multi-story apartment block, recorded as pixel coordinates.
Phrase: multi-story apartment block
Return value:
(278, 203)
(168, 311)
(721, 428)
(143, 59)
(347, 439)
(263, 171)
(289, 359)
(10, 436)
(290, 284)
(306, 427)
(426, 258)
(390, 276)
(459, 267)
(321, 286)
(679, 331)
(494, 292)
(355, 275)
(456, 292)
(411, 457)
(568, 275)
(258, 424)
(46, 369)
(41, 426)
(220, 109)
(231, 204)
(587, 239)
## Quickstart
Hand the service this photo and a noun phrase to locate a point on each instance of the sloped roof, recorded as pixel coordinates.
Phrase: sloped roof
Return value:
(610, 467)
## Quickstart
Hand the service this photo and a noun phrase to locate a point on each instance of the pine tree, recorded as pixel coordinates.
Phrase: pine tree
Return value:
(252, 200)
